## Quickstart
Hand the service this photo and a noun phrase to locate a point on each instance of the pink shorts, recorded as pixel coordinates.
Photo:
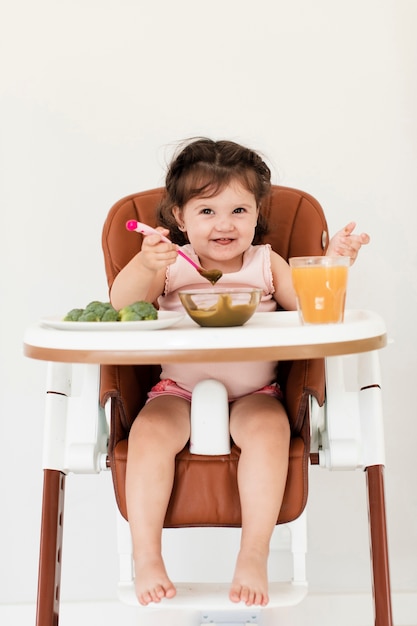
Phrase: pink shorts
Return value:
(170, 387)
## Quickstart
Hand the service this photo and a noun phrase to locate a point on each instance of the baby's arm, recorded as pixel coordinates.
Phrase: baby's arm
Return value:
(143, 278)
(344, 243)
(284, 291)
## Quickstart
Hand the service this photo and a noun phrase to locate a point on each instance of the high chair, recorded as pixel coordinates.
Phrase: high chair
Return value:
(334, 409)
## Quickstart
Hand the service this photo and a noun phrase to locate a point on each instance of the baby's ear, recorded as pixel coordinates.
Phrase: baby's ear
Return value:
(177, 213)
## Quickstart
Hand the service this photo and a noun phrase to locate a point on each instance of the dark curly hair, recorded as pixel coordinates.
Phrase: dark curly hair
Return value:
(204, 167)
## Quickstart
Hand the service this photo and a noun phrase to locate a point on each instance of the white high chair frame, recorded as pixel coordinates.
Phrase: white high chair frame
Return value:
(346, 434)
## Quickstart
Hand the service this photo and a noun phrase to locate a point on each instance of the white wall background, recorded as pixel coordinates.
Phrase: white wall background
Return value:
(94, 94)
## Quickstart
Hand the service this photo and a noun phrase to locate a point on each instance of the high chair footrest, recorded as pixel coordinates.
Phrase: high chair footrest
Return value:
(215, 596)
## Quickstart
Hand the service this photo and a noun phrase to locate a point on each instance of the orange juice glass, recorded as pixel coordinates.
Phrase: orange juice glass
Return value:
(320, 285)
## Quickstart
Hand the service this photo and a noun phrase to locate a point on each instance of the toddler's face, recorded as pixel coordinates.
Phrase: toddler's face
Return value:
(222, 227)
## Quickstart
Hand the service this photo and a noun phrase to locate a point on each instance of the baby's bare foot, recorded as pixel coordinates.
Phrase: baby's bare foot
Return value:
(151, 580)
(250, 582)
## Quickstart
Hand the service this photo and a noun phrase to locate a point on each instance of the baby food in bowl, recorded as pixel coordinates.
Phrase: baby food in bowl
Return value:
(221, 307)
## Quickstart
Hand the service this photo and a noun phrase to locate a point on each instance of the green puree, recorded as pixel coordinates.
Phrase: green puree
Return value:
(223, 313)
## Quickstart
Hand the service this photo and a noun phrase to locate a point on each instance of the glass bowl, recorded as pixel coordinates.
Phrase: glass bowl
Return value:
(221, 306)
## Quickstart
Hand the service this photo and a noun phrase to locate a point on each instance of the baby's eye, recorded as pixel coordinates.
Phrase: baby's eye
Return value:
(239, 209)
(206, 211)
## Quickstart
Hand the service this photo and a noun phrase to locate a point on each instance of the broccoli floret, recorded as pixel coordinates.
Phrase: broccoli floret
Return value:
(98, 308)
(95, 311)
(88, 316)
(138, 311)
(73, 315)
(110, 315)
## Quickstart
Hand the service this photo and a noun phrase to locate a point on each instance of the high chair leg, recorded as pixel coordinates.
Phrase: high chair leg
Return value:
(47, 612)
(379, 545)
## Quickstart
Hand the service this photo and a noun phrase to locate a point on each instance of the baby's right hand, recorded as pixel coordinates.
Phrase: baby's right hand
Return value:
(156, 254)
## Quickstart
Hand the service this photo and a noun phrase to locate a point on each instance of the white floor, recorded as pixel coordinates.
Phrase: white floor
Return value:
(315, 610)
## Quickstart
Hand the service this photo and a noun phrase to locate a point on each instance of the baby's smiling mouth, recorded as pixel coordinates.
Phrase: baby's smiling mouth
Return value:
(223, 240)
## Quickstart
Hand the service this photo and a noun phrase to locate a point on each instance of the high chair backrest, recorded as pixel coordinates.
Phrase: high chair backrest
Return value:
(296, 227)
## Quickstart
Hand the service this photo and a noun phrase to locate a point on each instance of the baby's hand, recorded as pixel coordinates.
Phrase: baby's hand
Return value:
(344, 243)
(157, 254)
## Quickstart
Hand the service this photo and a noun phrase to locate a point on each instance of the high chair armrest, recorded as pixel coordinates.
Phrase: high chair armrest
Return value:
(300, 381)
(128, 385)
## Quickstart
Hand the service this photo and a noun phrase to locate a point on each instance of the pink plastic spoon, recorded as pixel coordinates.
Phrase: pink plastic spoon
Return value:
(211, 275)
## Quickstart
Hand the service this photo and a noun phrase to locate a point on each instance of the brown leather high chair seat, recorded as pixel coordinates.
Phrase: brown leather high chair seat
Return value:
(296, 227)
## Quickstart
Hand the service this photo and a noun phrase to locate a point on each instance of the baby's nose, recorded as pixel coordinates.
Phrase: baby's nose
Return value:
(224, 223)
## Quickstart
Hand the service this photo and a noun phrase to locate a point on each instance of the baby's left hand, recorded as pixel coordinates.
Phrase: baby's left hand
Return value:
(344, 243)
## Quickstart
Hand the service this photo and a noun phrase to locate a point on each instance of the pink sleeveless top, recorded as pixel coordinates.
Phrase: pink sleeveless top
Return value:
(240, 378)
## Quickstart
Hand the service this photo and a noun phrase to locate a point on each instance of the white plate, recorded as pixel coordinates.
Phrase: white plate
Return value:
(165, 319)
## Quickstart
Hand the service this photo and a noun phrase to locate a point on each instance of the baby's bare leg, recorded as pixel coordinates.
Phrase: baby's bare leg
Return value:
(259, 426)
(159, 432)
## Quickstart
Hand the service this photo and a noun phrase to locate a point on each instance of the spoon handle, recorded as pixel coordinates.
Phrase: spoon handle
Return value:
(187, 258)
(144, 229)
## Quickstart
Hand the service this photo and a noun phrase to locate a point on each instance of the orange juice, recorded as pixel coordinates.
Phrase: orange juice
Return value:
(321, 289)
